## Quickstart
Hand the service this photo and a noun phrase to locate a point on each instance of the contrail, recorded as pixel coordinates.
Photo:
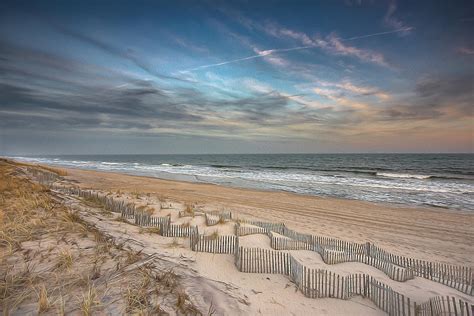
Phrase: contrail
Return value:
(405, 29)
(262, 54)
(277, 50)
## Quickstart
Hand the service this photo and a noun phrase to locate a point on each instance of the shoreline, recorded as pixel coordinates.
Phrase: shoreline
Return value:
(176, 177)
(426, 233)
(212, 268)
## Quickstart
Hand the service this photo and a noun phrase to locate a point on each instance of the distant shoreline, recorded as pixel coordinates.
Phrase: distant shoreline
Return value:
(380, 183)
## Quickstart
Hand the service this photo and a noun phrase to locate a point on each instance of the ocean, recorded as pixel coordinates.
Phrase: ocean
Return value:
(439, 180)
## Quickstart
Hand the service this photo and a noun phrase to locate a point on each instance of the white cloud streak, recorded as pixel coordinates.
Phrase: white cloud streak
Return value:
(332, 44)
(259, 54)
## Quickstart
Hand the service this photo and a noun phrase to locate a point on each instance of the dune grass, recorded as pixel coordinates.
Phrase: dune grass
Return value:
(53, 261)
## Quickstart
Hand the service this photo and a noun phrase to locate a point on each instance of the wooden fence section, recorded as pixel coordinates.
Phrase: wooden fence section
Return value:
(246, 230)
(458, 277)
(190, 214)
(442, 305)
(212, 220)
(216, 217)
(146, 220)
(43, 176)
(179, 231)
(284, 243)
(258, 260)
(325, 242)
(128, 211)
(318, 283)
(394, 272)
(388, 300)
(219, 244)
(108, 202)
(267, 226)
(222, 214)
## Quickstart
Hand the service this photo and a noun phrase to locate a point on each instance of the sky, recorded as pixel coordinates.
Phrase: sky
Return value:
(167, 77)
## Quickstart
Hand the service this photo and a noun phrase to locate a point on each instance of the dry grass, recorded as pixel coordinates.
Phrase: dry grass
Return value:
(43, 300)
(121, 219)
(61, 309)
(214, 235)
(89, 300)
(149, 230)
(58, 171)
(64, 260)
(34, 224)
(189, 209)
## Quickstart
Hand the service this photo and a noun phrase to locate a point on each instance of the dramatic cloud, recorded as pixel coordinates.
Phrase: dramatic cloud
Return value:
(393, 22)
(221, 77)
(128, 53)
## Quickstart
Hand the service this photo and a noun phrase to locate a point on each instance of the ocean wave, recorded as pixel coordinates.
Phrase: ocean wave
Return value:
(224, 166)
(410, 186)
(403, 175)
(171, 165)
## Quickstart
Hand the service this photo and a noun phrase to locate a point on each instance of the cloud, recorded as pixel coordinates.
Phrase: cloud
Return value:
(332, 44)
(29, 100)
(336, 46)
(185, 43)
(393, 22)
(127, 54)
(465, 51)
(346, 86)
(447, 96)
(260, 54)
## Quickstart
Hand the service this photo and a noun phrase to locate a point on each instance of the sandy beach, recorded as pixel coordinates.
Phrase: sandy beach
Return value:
(425, 233)
(211, 283)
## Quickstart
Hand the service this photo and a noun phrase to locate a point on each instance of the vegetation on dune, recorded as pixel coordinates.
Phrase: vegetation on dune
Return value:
(53, 261)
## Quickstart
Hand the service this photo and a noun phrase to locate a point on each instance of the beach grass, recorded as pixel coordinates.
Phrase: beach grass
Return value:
(42, 239)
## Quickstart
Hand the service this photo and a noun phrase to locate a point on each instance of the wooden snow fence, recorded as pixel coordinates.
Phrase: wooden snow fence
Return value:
(190, 214)
(320, 243)
(128, 211)
(258, 260)
(284, 243)
(397, 267)
(241, 230)
(222, 214)
(107, 201)
(320, 283)
(146, 220)
(218, 244)
(458, 277)
(43, 176)
(445, 305)
(216, 217)
(267, 226)
(212, 220)
(394, 272)
(179, 231)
